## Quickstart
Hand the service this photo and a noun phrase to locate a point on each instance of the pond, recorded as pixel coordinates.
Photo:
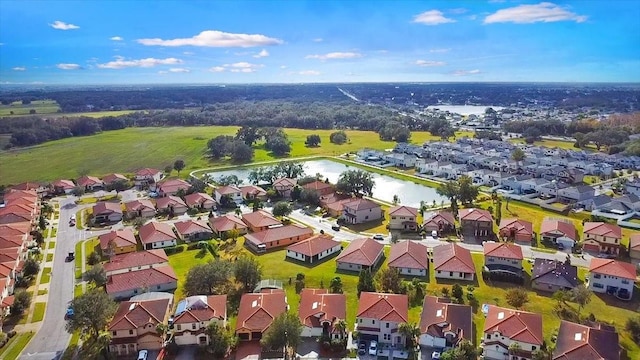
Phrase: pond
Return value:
(385, 188)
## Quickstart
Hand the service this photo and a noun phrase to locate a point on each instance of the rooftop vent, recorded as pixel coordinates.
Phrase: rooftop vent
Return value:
(577, 337)
(254, 303)
(501, 315)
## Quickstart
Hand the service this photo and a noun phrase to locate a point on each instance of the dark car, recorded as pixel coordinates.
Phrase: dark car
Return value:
(70, 257)
(335, 227)
(362, 348)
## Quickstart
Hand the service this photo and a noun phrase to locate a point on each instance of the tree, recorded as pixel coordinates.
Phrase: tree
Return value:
(282, 208)
(210, 278)
(517, 297)
(96, 275)
(411, 333)
(581, 296)
(365, 282)
(92, 312)
(226, 180)
(310, 196)
(30, 267)
(540, 354)
(464, 351)
(278, 144)
(389, 280)
(518, 155)
(299, 283)
(168, 169)
(233, 234)
(467, 192)
(78, 191)
(248, 134)
(219, 340)
(295, 193)
(356, 182)
(396, 200)
(450, 191)
(178, 165)
(457, 293)
(341, 327)
(633, 327)
(284, 333)
(335, 286)
(119, 185)
(514, 347)
(313, 140)
(561, 296)
(338, 137)
(241, 152)
(93, 258)
(248, 272)
(21, 302)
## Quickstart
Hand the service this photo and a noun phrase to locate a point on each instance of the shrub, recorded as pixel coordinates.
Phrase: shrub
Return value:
(11, 334)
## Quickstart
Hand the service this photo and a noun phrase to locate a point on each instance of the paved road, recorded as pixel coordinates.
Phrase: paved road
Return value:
(319, 223)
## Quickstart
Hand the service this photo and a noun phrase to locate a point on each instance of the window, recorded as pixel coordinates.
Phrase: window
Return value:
(360, 321)
(366, 217)
(373, 322)
(387, 325)
(624, 281)
(130, 332)
(597, 276)
(450, 273)
(114, 333)
(409, 271)
(157, 287)
(193, 326)
(488, 336)
(179, 327)
(490, 259)
(533, 348)
(598, 285)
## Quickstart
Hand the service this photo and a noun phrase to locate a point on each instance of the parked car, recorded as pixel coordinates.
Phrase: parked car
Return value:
(379, 237)
(142, 355)
(435, 355)
(335, 227)
(70, 257)
(362, 348)
(373, 348)
(69, 313)
(72, 223)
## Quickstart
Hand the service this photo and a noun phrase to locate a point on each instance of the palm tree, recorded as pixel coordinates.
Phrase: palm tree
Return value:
(410, 333)
(514, 348)
(341, 327)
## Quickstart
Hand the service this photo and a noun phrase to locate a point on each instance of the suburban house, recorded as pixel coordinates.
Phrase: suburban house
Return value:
(200, 201)
(221, 225)
(90, 183)
(552, 275)
(63, 186)
(193, 315)
(314, 249)
(477, 223)
(107, 212)
(403, 218)
(193, 230)
(140, 208)
(633, 187)
(601, 237)
(451, 261)
(442, 222)
(612, 277)
(444, 324)
(171, 204)
(257, 311)
(559, 231)
(232, 191)
(634, 246)
(147, 176)
(276, 237)
(503, 327)
(140, 260)
(114, 178)
(133, 327)
(172, 187)
(125, 285)
(358, 211)
(516, 230)
(116, 242)
(252, 192)
(333, 204)
(320, 312)
(284, 186)
(379, 316)
(260, 220)
(409, 258)
(360, 254)
(578, 341)
(574, 194)
(503, 257)
(156, 235)
(320, 187)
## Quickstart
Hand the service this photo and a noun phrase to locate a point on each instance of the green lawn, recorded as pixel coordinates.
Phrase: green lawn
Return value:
(54, 232)
(40, 106)
(42, 292)
(49, 257)
(183, 261)
(46, 276)
(73, 345)
(52, 245)
(38, 312)
(14, 347)
(78, 260)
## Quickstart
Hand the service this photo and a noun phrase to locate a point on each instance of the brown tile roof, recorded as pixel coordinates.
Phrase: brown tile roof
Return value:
(554, 272)
(139, 205)
(26, 186)
(64, 184)
(197, 199)
(503, 250)
(577, 341)
(132, 315)
(155, 231)
(187, 227)
(260, 218)
(383, 307)
(634, 242)
(278, 233)
(317, 185)
(111, 178)
(202, 308)
(147, 172)
(440, 316)
(173, 185)
(139, 258)
(318, 306)
(602, 229)
(226, 222)
(408, 254)
(253, 190)
(474, 214)
(452, 257)
(228, 190)
(363, 251)
(258, 310)
(403, 211)
(613, 268)
(19, 194)
(360, 204)
(16, 228)
(168, 201)
(120, 238)
(554, 225)
(10, 216)
(106, 207)
(88, 181)
(284, 183)
(515, 324)
(314, 245)
(146, 278)
(520, 226)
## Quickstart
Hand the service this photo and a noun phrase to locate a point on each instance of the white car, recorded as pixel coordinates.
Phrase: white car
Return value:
(73, 217)
(142, 355)
(373, 348)
(435, 355)
(378, 237)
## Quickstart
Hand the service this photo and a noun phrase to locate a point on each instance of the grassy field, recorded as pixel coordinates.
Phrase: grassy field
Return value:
(38, 312)
(14, 347)
(183, 261)
(40, 106)
(133, 148)
(43, 292)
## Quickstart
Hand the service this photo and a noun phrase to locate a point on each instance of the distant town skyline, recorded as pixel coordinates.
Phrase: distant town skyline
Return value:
(174, 42)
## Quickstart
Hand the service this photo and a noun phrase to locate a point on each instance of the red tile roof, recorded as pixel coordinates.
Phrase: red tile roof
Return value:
(155, 231)
(503, 250)
(16, 228)
(452, 257)
(172, 186)
(520, 226)
(187, 227)
(408, 254)
(147, 172)
(318, 306)
(363, 251)
(474, 214)
(383, 307)
(258, 310)
(19, 194)
(106, 207)
(360, 204)
(168, 201)
(439, 316)
(613, 268)
(202, 308)
(26, 186)
(228, 190)
(278, 233)
(132, 315)
(515, 324)
(602, 229)
(139, 205)
(317, 185)
(403, 211)
(111, 178)
(314, 245)
(88, 181)
(146, 278)
(634, 242)
(284, 183)
(554, 225)
(197, 199)
(260, 218)
(577, 341)
(120, 238)
(135, 259)
(64, 184)
(252, 190)
(226, 222)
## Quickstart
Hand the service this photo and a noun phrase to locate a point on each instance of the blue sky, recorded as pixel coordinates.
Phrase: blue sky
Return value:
(133, 42)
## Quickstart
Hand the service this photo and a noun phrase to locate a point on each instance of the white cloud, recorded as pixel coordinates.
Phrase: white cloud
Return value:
(440, 50)
(430, 63)
(179, 70)
(527, 14)
(318, 40)
(309, 72)
(335, 55)
(188, 53)
(19, 68)
(217, 69)
(283, 66)
(121, 63)
(63, 26)
(432, 17)
(214, 38)
(68, 66)
(465, 72)
(239, 67)
(261, 54)
(116, 38)
(162, 72)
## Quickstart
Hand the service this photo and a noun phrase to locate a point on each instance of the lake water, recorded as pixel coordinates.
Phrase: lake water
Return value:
(465, 109)
(385, 188)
